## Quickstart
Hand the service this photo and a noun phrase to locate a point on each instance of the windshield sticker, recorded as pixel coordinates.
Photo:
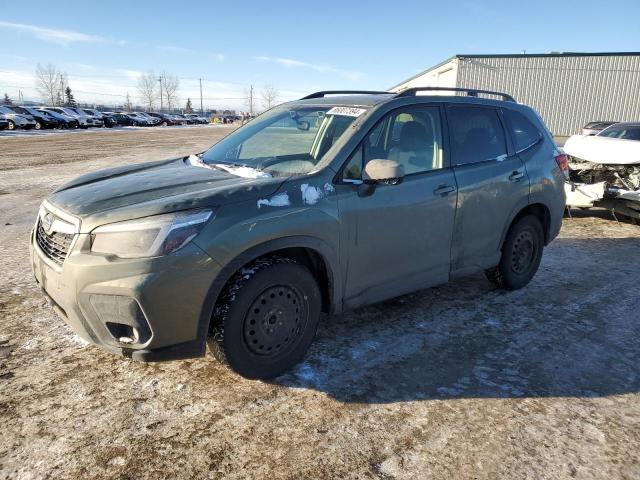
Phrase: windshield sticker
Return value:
(347, 111)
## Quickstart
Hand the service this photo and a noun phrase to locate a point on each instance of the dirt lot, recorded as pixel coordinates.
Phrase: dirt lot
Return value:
(460, 381)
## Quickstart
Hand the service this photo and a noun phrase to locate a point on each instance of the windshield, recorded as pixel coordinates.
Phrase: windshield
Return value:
(626, 132)
(287, 140)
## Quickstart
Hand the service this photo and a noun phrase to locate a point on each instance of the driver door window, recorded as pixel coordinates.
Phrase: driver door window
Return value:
(410, 136)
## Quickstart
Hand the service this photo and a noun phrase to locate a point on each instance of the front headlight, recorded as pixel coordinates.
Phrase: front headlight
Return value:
(150, 236)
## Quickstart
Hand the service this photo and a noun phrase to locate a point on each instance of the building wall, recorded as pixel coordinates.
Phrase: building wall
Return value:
(444, 75)
(567, 90)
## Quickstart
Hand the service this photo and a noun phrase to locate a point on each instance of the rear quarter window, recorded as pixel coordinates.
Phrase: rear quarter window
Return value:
(523, 133)
(476, 134)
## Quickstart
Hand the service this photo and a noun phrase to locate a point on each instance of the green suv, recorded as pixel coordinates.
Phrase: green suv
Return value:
(334, 201)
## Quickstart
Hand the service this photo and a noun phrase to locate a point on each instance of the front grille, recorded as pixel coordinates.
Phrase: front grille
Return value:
(55, 245)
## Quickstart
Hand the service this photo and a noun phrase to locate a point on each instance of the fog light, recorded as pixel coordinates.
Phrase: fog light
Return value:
(123, 318)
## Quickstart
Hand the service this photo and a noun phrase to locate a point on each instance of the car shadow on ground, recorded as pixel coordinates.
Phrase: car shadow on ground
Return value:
(572, 332)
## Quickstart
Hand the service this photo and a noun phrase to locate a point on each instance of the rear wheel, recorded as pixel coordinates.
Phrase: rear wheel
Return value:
(266, 318)
(521, 254)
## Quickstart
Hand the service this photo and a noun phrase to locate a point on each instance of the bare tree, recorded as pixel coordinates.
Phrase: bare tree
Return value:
(269, 96)
(148, 90)
(127, 104)
(169, 85)
(49, 82)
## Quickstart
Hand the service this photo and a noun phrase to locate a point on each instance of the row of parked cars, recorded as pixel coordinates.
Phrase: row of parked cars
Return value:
(37, 118)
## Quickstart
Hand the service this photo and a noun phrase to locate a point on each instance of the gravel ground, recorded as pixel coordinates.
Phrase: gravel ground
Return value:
(459, 381)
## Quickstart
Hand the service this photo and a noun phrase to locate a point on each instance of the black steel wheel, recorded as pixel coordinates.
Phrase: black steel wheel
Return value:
(274, 320)
(521, 254)
(266, 318)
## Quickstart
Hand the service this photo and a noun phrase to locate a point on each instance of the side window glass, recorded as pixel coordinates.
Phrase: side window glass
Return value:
(523, 132)
(410, 136)
(476, 134)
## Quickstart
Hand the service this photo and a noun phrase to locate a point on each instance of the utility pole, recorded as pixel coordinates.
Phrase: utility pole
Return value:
(160, 82)
(251, 100)
(201, 109)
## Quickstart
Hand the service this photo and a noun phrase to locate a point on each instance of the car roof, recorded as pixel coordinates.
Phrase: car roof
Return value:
(626, 124)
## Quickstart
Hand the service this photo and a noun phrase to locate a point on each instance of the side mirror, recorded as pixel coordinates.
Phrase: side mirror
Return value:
(383, 171)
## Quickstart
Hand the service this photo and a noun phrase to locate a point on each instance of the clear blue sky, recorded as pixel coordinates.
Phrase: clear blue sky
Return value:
(297, 46)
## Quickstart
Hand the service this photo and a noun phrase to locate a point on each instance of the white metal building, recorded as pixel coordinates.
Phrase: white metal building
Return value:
(568, 89)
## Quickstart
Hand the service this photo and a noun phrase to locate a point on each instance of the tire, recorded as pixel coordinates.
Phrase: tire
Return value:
(266, 318)
(521, 255)
(11, 126)
(38, 126)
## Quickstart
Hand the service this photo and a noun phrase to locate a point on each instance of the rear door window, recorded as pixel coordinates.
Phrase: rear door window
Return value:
(523, 133)
(476, 134)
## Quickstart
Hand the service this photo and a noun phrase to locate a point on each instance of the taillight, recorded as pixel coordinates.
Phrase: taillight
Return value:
(563, 162)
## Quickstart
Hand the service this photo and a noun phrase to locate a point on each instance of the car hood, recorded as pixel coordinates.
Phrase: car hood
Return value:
(603, 150)
(152, 188)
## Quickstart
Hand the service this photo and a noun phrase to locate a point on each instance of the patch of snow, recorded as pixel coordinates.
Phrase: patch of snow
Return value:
(242, 171)
(310, 194)
(279, 200)
(196, 161)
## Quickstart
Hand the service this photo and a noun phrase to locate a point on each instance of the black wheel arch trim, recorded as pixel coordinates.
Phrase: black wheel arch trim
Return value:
(323, 249)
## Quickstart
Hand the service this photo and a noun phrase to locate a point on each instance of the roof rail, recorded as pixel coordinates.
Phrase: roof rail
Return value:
(341, 92)
(471, 92)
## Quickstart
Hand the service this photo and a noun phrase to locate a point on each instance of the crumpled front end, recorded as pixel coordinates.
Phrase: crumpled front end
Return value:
(611, 186)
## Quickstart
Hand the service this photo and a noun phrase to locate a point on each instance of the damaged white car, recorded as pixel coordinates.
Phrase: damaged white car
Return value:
(604, 170)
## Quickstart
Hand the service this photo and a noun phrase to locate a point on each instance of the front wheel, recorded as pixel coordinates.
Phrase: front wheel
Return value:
(266, 318)
(521, 255)
(11, 126)
(38, 126)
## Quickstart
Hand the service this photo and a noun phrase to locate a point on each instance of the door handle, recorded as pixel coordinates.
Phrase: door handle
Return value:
(443, 190)
(516, 176)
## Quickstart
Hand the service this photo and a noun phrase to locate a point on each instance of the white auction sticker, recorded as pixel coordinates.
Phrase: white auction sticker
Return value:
(348, 111)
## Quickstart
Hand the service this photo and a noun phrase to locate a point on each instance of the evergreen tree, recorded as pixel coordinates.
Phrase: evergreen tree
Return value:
(70, 101)
(127, 104)
(7, 100)
(189, 107)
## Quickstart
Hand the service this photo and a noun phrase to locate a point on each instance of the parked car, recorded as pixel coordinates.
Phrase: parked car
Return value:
(165, 119)
(16, 120)
(151, 118)
(4, 123)
(42, 119)
(109, 120)
(604, 170)
(322, 204)
(83, 120)
(184, 119)
(593, 128)
(92, 119)
(197, 118)
(64, 120)
(97, 115)
(138, 121)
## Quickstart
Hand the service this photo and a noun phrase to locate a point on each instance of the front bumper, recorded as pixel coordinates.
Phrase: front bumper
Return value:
(170, 293)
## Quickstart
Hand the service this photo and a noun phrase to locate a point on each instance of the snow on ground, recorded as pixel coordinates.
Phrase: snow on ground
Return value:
(457, 381)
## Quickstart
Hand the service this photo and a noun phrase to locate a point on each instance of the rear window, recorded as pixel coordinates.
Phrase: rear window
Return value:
(523, 133)
(476, 134)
